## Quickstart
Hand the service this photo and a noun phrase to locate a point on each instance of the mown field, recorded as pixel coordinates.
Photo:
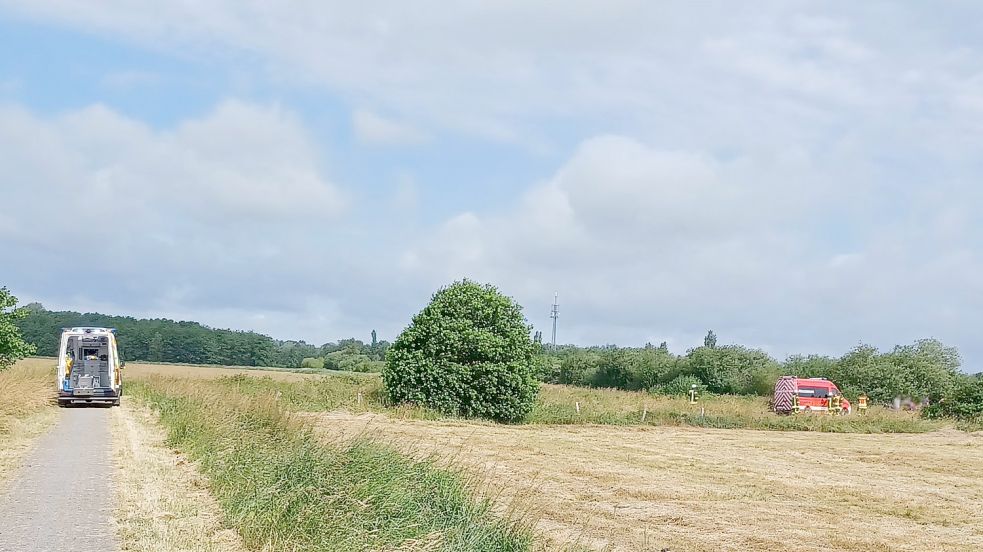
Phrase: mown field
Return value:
(685, 488)
(602, 479)
(558, 404)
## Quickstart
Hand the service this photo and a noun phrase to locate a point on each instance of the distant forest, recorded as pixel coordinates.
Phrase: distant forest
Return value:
(163, 340)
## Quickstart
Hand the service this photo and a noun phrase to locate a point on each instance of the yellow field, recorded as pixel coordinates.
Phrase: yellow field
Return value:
(641, 488)
(140, 370)
(27, 409)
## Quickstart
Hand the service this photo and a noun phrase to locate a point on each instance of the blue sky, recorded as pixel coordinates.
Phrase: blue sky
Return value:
(800, 176)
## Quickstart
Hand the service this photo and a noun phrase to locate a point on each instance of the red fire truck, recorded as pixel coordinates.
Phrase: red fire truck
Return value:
(809, 394)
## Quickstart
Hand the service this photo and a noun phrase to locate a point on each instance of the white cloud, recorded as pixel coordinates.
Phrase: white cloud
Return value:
(799, 175)
(217, 211)
(645, 244)
(500, 69)
(720, 72)
(240, 161)
(374, 129)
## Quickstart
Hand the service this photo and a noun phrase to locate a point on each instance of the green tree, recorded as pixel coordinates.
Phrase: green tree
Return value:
(467, 353)
(864, 370)
(375, 339)
(965, 401)
(731, 369)
(811, 366)
(927, 369)
(155, 348)
(12, 346)
(710, 341)
(580, 368)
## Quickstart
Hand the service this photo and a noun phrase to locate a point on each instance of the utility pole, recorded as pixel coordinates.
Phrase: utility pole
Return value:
(554, 314)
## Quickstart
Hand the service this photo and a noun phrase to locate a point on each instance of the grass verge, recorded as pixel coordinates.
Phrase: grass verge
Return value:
(27, 412)
(283, 489)
(162, 502)
(565, 405)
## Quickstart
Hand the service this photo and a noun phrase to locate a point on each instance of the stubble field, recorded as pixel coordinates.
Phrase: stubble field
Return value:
(682, 488)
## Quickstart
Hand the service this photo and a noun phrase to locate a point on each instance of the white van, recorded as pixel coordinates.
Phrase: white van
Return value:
(89, 367)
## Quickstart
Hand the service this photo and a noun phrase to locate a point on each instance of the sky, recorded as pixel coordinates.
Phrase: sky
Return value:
(798, 176)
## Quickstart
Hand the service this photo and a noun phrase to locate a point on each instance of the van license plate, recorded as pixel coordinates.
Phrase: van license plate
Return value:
(83, 392)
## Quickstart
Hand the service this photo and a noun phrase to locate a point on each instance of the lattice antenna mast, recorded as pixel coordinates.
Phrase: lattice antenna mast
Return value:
(554, 314)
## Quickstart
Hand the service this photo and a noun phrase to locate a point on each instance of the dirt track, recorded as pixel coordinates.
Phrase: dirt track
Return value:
(61, 498)
(698, 489)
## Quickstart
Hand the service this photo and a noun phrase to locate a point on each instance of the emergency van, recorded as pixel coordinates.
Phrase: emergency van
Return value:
(89, 367)
(793, 394)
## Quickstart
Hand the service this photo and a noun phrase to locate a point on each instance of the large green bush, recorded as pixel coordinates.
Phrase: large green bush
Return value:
(467, 353)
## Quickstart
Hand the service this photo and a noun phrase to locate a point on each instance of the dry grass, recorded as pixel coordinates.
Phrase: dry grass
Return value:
(557, 404)
(642, 488)
(162, 502)
(141, 370)
(26, 411)
(283, 490)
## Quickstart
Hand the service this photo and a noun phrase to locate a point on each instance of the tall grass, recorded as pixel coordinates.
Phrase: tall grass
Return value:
(558, 404)
(283, 489)
(29, 388)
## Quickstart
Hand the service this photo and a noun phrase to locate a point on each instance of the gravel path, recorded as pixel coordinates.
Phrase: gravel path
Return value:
(61, 499)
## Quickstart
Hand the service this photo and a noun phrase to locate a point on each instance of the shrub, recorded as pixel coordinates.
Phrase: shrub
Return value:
(349, 360)
(729, 369)
(680, 386)
(580, 368)
(315, 363)
(546, 368)
(616, 369)
(811, 366)
(633, 369)
(965, 402)
(467, 353)
(653, 366)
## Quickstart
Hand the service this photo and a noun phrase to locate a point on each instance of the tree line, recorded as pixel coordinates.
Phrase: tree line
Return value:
(164, 340)
(926, 369)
